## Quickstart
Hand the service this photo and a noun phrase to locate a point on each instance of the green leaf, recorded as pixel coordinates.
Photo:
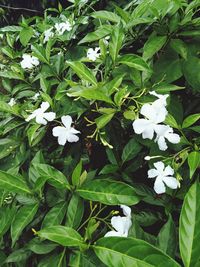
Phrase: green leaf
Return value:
(6, 217)
(83, 72)
(193, 162)
(108, 192)
(170, 120)
(131, 149)
(167, 239)
(189, 234)
(180, 47)
(74, 212)
(54, 177)
(62, 235)
(4, 107)
(115, 43)
(122, 251)
(55, 215)
(135, 62)
(103, 120)
(25, 35)
(11, 29)
(77, 173)
(13, 183)
(192, 75)
(153, 45)
(40, 53)
(89, 93)
(190, 120)
(11, 75)
(101, 32)
(107, 15)
(23, 217)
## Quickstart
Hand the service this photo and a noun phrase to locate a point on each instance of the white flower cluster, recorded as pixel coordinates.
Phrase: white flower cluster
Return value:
(93, 53)
(64, 133)
(163, 177)
(121, 224)
(155, 113)
(29, 62)
(59, 28)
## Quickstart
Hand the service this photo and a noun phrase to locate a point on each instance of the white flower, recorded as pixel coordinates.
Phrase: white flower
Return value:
(12, 102)
(154, 116)
(65, 133)
(162, 99)
(35, 97)
(62, 27)
(121, 224)
(93, 54)
(165, 132)
(48, 34)
(29, 61)
(41, 116)
(163, 177)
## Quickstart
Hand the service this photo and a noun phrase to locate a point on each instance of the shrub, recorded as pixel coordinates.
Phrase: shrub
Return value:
(93, 103)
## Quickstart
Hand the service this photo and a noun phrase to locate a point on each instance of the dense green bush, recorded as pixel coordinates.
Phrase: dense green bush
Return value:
(94, 103)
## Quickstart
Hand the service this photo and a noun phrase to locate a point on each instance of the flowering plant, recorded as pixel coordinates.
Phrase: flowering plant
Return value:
(95, 100)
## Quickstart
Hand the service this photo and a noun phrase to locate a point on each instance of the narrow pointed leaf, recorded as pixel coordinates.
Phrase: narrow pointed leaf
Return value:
(108, 192)
(189, 233)
(121, 251)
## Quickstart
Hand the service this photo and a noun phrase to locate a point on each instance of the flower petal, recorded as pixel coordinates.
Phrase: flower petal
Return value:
(153, 173)
(148, 111)
(112, 233)
(159, 166)
(44, 106)
(40, 119)
(72, 137)
(161, 143)
(49, 116)
(159, 186)
(58, 130)
(173, 138)
(171, 182)
(126, 210)
(67, 121)
(168, 171)
(140, 125)
(148, 132)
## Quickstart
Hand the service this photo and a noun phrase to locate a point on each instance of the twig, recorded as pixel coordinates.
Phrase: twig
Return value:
(18, 8)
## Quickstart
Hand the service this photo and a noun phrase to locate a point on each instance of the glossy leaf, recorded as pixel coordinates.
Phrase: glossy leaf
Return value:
(13, 183)
(193, 162)
(189, 233)
(108, 192)
(153, 45)
(131, 149)
(120, 252)
(135, 62)
(115, 43)
(62, 235)
(101, 32)
(23, 217)
(83, 72)
(190, 120)
(107, 15)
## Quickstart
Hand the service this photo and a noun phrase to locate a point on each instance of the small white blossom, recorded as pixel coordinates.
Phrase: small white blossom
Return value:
(41, 116)
(165, 132)
(162, 99)
(147, 158)
(153, 116)
(163, 177)
(48, 34)
(12, 102)
(63, 26)
(93, 54)
(121, 224)
(65, 133)
(29, 61)
(35, 97)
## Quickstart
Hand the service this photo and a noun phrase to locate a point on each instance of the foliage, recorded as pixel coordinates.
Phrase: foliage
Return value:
(61, 183)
